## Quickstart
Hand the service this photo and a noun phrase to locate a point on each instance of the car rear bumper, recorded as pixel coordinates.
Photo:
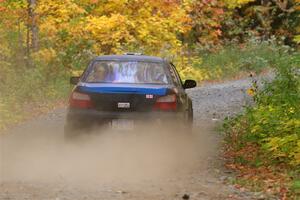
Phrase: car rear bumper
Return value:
(85, 117)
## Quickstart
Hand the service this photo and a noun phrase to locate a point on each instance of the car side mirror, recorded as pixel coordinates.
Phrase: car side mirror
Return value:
(189, 84)
(74, 80)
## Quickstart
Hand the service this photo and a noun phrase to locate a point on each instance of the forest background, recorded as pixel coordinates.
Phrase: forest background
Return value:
(44, 42)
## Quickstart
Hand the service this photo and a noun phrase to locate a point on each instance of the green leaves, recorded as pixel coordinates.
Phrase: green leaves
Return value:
(273, 123)
(279, 18)
(296, 186)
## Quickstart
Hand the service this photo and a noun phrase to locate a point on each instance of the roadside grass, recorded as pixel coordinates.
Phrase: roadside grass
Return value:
(27, 93)
(263, 143)
(236, 60)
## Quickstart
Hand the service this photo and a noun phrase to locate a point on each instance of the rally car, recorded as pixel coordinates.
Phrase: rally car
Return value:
(119, 91)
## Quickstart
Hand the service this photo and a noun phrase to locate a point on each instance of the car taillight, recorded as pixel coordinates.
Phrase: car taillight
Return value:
(80, 100)
(166, 103)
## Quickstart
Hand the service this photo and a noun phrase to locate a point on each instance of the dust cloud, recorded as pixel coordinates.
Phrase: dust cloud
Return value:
(105, 156)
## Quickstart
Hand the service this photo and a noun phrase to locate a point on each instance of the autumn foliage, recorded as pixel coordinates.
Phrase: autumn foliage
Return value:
(43, 42)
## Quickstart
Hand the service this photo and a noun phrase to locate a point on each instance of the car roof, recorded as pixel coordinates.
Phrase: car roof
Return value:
(130, 58)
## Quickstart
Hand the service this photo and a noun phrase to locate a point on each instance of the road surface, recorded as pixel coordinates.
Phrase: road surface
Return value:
(36, 164)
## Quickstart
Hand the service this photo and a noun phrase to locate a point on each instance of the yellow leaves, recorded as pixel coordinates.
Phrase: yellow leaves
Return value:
(251, 92)
(109, 32)
(286, 147)
(291, 125)
(291, 110)
(111, 6)
(115, 26)
(61, 11)
(297, 39)
(150, 26)
(4, 46)
(76, 72)
(186, 70)
(271, 108)
(236, 3)
(44, 56)
(296, 154)
(297, 6)
(296, 162)
(255, 129)
(56, 15)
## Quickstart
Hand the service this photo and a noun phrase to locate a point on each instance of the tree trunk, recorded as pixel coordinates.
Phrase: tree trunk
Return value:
(32, 27)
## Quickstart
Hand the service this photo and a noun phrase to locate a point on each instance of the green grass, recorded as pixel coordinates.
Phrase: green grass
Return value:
(234, 59)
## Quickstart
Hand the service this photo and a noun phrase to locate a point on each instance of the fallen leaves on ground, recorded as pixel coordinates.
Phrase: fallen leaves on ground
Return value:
(272, 180)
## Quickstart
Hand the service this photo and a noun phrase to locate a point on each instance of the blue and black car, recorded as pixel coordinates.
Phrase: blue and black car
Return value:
(120, 91)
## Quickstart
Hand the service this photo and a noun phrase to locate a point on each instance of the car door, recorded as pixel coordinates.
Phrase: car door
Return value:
(187, 105)
(184, 99)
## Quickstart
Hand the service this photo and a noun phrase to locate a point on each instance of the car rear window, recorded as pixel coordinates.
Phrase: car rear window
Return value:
(127, 72)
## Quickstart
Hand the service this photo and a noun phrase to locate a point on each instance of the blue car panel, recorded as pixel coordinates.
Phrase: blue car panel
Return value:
(124, 90)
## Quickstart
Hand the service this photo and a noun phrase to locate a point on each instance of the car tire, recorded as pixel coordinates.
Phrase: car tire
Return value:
(190, 120)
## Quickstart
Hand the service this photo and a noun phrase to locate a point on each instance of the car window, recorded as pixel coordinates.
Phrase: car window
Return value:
(174, 74)
(127, 72)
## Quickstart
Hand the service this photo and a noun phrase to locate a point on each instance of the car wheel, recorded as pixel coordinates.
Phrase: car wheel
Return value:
(190, 119)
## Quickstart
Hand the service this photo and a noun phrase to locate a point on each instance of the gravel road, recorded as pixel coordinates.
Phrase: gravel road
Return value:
(35, 163)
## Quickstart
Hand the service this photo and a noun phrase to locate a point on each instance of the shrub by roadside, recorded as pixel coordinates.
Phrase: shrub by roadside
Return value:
(27, 92)
(263, 143)
(234, 59)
